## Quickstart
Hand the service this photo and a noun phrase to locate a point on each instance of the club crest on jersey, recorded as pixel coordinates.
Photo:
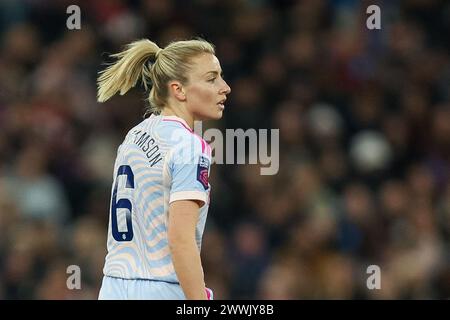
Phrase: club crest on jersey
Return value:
(202, 171)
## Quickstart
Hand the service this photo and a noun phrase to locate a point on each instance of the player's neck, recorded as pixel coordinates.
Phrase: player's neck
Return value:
(189, 119)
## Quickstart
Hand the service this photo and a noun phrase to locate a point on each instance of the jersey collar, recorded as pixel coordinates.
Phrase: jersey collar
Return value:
(177, 119)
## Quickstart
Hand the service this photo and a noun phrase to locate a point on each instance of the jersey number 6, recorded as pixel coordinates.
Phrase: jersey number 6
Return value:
(122, 204)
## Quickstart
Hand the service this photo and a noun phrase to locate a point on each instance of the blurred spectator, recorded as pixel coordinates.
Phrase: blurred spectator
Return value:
(38, 195)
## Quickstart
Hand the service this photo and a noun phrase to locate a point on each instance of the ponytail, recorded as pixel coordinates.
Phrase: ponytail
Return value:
(122, 75)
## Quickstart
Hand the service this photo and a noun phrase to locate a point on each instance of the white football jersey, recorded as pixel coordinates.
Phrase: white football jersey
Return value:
(160, 161)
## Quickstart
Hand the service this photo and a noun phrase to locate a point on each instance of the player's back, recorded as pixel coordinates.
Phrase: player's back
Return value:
(153, 167)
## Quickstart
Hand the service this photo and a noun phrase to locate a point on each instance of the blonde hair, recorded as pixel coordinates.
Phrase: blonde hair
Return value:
(171, 63)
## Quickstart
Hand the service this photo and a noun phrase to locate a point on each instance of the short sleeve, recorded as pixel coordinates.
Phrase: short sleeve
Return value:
(189, 167)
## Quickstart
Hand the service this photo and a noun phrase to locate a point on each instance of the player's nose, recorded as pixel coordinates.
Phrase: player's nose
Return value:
(225, 89)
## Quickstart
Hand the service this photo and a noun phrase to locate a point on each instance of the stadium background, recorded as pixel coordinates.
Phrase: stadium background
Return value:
(364, 119)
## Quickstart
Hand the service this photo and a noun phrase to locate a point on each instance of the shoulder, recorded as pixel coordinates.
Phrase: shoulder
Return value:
(183, 137)
(187, 147)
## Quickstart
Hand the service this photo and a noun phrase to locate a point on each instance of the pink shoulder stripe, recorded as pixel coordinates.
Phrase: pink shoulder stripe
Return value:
(204, 144)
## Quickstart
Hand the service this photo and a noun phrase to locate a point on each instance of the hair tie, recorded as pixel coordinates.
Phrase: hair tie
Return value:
(157, 53)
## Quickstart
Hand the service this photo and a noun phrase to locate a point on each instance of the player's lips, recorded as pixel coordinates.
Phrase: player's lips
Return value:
(221, 103)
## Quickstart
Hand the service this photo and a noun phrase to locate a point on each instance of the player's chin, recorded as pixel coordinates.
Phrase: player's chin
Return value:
(216, 115)
(219, 115)
(212, 114)
(219, 112)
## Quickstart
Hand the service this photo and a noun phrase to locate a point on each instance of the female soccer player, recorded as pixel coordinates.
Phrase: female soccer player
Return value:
(160, 193)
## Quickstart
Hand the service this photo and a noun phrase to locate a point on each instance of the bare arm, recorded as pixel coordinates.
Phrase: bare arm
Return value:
(183, 216)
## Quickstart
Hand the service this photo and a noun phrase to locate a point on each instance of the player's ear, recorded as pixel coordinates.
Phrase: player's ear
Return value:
(176, 89)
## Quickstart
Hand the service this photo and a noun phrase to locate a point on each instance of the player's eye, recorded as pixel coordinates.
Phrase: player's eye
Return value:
(212, 79)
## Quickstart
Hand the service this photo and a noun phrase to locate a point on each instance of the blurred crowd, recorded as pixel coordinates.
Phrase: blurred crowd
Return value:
(364, 119)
